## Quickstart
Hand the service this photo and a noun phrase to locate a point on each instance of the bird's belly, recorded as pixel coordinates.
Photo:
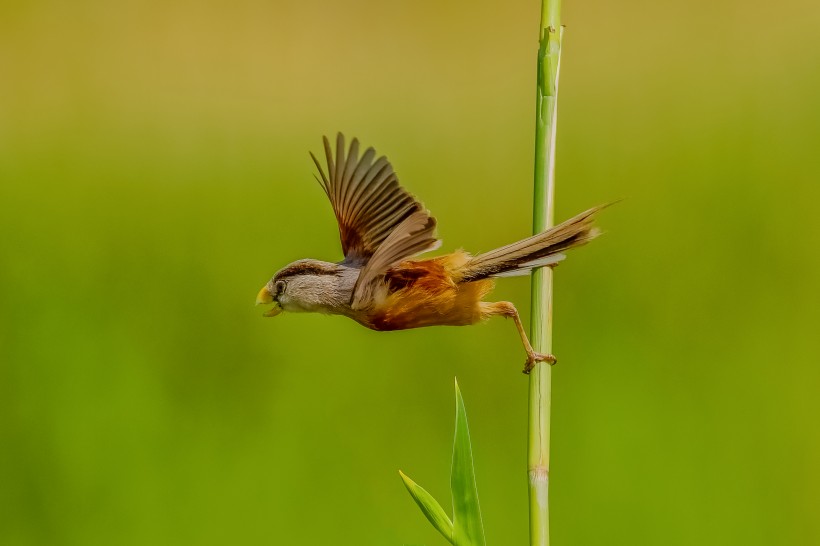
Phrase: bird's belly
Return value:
(456, 305)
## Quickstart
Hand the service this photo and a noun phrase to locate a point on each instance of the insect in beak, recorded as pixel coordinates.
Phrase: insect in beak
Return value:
(264, 298)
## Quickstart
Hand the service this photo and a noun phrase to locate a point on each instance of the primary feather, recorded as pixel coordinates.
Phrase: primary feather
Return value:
(366, 198)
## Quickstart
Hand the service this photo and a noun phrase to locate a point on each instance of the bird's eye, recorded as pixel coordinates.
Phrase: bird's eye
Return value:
(280, 287)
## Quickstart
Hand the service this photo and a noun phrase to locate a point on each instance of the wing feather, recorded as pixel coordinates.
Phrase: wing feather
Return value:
(413, 236)
(367, 199)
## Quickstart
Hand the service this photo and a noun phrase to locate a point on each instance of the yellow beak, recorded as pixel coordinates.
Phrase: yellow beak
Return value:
(264, 298)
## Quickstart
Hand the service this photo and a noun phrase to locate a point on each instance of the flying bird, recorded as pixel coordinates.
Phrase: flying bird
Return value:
(380, 284)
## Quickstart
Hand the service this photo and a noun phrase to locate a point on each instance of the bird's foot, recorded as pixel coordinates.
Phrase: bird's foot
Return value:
(538, 357)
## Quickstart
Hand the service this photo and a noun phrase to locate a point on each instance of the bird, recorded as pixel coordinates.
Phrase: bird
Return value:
(382, 283)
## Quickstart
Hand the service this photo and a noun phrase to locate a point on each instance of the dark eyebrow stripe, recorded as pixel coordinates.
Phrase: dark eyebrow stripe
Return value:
(305, 269)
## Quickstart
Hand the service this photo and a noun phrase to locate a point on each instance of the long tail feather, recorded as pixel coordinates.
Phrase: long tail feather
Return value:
(544, 248)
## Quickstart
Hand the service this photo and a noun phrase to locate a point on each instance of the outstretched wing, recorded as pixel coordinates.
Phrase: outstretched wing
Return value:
(366, 197)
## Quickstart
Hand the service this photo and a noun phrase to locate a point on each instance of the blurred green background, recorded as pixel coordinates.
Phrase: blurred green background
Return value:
(154, 174)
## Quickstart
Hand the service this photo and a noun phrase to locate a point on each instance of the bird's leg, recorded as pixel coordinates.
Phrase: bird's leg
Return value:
(507, 309)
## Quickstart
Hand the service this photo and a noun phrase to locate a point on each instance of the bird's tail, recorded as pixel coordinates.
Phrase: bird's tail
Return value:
(545, 248)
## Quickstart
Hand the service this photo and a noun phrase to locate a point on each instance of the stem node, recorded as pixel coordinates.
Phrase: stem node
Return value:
(539, 474)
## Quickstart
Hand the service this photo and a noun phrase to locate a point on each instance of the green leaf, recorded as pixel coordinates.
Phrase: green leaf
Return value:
(468, 529)
(430, 507)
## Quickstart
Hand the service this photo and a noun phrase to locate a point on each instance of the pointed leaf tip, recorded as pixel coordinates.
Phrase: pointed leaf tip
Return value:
(430, 507)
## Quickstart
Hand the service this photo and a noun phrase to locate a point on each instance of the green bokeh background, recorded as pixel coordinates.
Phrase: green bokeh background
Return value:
(154, 174)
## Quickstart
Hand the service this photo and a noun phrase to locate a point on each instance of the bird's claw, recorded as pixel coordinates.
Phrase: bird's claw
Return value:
(538, 357)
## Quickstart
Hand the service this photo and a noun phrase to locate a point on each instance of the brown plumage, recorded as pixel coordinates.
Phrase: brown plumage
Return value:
(379, 284)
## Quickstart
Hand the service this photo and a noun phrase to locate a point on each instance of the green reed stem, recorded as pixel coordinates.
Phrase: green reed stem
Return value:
(540, 392)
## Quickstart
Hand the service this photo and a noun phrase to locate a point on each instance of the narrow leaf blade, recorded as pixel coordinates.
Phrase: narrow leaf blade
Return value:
(468, 529)
(429, 507)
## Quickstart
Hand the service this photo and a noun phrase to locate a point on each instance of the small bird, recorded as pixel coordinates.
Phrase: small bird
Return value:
(378, 284)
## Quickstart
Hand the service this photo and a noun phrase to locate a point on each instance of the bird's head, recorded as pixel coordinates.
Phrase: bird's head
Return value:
(304, 285)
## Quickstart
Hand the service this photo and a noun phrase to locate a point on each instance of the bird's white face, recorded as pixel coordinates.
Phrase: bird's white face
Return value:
(309, 293)
(308, 286)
